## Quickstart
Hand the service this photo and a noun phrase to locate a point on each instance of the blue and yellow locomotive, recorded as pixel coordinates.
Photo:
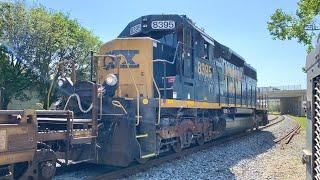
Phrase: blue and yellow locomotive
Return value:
(165, 84)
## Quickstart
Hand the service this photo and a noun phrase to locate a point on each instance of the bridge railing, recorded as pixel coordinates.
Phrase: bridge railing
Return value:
(280, 88)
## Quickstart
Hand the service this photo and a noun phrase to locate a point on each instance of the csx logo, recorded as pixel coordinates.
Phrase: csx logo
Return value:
(128, 54)
(205, 69)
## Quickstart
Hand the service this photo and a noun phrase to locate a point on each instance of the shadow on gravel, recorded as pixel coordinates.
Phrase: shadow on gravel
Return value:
(224, 157)
(81, 171)
(215, 162)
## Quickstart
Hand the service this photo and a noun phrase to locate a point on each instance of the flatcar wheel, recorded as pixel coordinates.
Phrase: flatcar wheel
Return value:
(200, 140)
(45, 164)
(47, 170)
(176, 147)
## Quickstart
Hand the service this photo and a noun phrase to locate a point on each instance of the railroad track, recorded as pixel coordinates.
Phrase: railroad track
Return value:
(285, 139)
(274, 122)
(275, 117)
(134, 169)
(131, 170)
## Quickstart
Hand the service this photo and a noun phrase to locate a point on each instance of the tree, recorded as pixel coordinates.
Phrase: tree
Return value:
(15, 77)
(301, 25)
(43, 38)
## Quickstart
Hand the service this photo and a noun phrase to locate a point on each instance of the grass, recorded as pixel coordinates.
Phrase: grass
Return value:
(301, 120)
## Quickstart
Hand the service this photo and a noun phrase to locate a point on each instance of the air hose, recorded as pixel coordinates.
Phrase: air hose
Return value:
(79, 103)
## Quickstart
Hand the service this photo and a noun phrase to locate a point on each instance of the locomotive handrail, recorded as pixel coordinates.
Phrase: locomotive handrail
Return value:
(174, 58)
(55, 76)
(134, 82)
(159, 99)
(136, 87)
(119, 105)
(169, 62)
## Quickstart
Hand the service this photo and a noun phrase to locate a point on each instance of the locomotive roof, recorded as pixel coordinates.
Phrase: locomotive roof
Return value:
(142, 27)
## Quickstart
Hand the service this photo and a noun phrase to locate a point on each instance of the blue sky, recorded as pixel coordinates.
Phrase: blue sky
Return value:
(239, 24)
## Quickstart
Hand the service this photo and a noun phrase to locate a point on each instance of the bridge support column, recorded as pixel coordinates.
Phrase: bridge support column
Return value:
(292, 105)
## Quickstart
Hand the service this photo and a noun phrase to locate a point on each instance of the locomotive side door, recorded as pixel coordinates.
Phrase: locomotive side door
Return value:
(185, 36)
(187, 53)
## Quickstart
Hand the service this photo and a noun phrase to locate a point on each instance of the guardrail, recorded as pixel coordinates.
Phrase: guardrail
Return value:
(280, 88)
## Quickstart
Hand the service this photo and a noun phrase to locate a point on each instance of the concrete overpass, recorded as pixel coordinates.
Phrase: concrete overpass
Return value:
(291, 101)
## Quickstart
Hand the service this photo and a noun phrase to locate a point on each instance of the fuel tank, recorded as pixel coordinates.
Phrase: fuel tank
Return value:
(237, 121)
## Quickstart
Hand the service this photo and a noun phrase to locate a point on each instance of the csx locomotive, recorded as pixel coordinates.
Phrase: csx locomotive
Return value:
(162, 85)
(176, 86)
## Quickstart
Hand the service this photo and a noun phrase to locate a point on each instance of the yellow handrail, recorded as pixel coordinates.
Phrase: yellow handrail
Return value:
(52, 82)
(159, 99)
(136, 87)
(119, 105)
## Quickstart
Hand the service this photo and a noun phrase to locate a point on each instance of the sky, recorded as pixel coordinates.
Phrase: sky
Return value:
(238, 24)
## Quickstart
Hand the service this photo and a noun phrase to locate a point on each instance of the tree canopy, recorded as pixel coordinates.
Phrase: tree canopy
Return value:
(41, 38)
(301, 26)
(15, 77)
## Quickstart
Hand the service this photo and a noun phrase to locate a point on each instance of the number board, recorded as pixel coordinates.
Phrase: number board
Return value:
(135, 29)
(205, 70)
(163, 24)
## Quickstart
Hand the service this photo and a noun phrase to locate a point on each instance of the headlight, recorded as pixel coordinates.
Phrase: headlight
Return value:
(111, 79)
(60, 82)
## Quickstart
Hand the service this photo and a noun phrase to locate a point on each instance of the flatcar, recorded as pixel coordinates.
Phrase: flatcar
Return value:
(162, 85)
(312, 151)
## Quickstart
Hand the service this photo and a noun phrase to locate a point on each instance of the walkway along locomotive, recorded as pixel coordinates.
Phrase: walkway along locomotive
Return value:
(162, 84)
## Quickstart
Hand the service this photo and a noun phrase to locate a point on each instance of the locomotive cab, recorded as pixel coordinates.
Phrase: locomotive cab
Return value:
(125, 70)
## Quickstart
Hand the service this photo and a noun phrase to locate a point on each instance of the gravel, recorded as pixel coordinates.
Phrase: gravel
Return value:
(255, 156)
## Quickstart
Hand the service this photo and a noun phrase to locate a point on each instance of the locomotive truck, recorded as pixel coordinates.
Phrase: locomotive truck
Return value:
(162, 85)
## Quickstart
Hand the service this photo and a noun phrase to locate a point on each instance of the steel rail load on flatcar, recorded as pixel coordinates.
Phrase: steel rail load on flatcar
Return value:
(162, 85)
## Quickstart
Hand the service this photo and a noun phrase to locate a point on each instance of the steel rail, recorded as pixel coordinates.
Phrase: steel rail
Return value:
(131, 170)
(276, 117)
(136, 168)
(280, 119)
(285, 139)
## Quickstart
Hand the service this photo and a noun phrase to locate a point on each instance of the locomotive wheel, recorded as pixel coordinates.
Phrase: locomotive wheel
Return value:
(142, 161)
(200, 140)
(176, 147)
(257, 127)
(189, 137)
